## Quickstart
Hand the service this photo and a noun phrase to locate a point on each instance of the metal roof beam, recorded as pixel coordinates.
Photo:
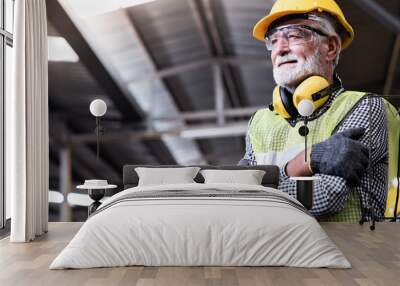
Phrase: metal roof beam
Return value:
(213, 114)
(61, 21)
(205, 19)
(392, 22)
(121, 27)
(394, 59)
(129, 134)
(380, 13)
(238, 128)
(191, 146)
(182, 68)
(219, 94)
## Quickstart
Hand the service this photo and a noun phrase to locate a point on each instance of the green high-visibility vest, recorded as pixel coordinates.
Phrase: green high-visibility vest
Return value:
(394, 140)
(276, 142)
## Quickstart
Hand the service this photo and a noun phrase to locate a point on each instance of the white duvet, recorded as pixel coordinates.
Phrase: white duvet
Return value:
(205, 231)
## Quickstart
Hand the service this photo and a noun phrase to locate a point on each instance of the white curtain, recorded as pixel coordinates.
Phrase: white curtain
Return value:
(27, 123)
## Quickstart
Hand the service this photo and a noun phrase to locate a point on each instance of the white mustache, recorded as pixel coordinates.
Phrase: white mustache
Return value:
(286, 58)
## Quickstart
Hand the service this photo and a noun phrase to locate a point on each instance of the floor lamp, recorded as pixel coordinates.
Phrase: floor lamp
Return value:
(98, 108)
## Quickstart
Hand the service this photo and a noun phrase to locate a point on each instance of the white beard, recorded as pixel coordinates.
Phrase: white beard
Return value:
(289, 76)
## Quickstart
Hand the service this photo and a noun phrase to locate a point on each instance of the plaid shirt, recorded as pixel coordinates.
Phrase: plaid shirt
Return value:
(331, 192)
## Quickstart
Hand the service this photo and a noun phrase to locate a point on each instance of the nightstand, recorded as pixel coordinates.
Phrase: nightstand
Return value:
(96, 190)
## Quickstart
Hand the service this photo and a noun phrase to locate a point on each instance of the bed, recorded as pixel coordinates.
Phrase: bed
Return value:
(201, 224)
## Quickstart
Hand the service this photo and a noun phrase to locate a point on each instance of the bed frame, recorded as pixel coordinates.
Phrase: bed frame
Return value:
(270, 179)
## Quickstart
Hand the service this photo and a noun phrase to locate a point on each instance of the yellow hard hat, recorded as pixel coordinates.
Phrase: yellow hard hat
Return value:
(283, 8)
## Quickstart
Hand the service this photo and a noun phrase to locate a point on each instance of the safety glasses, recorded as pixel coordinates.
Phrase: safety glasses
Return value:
(294, 35)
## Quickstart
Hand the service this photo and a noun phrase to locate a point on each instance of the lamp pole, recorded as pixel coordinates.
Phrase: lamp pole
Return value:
(98, 137)
(98, 108)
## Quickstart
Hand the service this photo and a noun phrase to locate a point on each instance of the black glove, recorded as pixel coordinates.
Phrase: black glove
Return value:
(341, 155)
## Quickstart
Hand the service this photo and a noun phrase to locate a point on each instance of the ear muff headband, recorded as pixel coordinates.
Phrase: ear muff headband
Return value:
(287, 101)
(314, 88)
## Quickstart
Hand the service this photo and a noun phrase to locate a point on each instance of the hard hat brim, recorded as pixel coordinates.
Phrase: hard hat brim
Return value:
(261, 27)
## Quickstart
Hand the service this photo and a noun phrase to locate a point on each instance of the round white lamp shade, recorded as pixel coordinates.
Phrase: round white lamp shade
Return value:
(306, 107)
(98, 107)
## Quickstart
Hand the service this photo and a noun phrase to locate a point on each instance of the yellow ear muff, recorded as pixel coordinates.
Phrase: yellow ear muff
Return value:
(310, 87)
(278, 104)
(315, 90)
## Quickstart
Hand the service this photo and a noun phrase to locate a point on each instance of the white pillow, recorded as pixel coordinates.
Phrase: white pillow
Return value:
(248, 177)
(163, 176)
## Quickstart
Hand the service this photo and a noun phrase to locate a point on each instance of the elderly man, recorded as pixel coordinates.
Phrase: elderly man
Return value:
(347, 129)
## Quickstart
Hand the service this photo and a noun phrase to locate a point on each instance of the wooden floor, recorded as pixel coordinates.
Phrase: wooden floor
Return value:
(375, 257)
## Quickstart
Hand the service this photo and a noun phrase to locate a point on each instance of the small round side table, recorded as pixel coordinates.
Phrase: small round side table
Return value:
(96, 193)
